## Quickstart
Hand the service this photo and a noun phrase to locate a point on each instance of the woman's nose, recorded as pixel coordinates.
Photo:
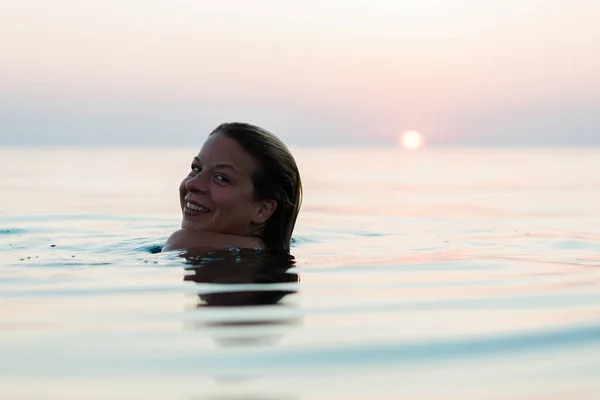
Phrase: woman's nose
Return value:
(197, 183)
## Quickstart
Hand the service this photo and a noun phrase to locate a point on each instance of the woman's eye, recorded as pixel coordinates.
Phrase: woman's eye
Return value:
(222, 178)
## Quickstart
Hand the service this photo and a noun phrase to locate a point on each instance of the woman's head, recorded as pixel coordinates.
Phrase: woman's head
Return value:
(243, 182)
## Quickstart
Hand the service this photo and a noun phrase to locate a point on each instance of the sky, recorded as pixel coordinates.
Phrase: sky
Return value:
(314, 72)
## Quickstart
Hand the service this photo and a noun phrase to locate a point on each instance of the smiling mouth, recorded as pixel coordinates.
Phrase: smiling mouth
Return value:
(192, 208)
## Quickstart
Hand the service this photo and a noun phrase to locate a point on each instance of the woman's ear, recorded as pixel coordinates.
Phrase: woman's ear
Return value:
(265, 209)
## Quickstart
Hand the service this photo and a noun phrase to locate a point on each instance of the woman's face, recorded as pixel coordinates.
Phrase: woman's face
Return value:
(218, 193)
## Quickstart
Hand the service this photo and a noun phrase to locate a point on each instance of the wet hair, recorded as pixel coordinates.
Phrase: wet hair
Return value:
(276, 177)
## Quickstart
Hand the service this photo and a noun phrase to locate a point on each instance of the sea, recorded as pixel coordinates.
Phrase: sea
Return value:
(441, 273)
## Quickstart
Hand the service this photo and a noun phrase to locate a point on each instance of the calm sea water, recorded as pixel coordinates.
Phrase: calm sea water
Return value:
(438, 274)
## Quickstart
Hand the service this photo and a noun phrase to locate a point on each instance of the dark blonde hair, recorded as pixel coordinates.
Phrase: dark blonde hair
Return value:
(276, 178)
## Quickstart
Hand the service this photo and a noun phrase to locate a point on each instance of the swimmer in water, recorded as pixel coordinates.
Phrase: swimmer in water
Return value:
(243, 190)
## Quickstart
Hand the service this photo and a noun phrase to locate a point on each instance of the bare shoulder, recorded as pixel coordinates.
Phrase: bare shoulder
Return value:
(185, 239)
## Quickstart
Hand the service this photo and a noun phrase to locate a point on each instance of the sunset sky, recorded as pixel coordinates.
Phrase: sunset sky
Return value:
(315, 72)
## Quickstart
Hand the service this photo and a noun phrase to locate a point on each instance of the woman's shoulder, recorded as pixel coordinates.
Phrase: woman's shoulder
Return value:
(185, 239)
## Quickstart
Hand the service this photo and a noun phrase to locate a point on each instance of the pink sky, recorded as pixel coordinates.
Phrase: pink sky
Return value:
(315, 72)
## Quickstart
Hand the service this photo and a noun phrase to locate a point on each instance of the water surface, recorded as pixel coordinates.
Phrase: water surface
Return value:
(438, 274)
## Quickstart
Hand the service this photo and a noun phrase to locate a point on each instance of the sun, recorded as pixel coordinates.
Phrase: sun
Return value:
(411, 140)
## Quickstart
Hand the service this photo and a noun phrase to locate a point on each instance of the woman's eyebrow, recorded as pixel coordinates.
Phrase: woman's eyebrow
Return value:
(223, 166)
(220, 165)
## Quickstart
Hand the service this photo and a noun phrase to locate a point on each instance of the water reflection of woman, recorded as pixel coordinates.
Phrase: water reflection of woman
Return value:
(243, 190)
(243, 277)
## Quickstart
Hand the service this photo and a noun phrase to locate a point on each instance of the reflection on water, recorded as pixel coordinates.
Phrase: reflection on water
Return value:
(237, 267)
(243, 278)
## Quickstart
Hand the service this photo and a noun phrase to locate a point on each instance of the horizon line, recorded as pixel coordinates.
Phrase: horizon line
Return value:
(304, 146)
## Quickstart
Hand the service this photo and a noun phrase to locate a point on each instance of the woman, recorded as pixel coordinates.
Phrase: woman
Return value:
(243, 190)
